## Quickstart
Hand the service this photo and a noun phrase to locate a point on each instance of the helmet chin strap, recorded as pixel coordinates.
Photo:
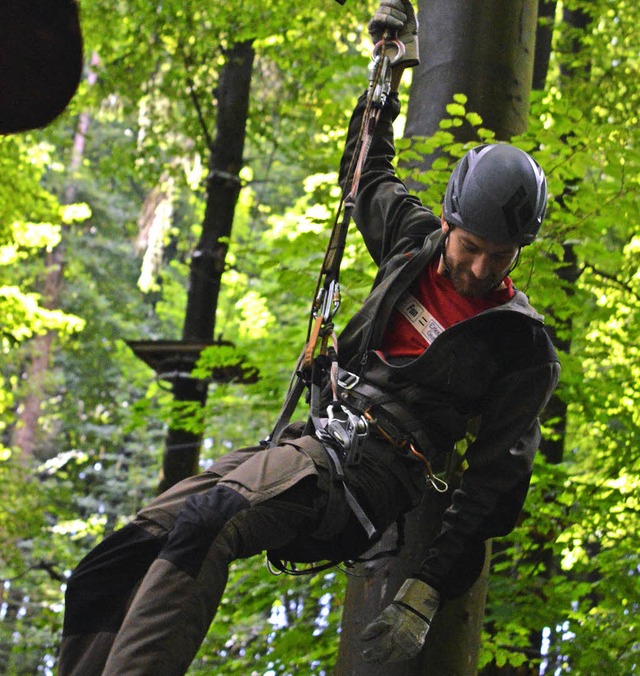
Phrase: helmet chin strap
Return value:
(515, 263)
(443, 253)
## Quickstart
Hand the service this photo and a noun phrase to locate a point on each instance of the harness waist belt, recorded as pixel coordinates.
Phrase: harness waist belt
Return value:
(382, 409)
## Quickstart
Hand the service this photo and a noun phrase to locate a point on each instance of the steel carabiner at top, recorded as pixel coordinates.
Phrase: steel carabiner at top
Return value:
(384, 43)
(380, 69)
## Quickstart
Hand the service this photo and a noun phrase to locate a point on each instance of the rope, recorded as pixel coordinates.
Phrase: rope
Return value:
(326, 297)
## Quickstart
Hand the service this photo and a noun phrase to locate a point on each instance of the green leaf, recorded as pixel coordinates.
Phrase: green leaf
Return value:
(456, 109)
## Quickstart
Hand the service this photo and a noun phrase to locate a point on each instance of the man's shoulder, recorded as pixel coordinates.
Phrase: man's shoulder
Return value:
(516, 330)
(520, 304)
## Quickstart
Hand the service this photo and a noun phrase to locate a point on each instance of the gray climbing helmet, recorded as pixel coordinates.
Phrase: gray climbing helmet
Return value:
(497, 192)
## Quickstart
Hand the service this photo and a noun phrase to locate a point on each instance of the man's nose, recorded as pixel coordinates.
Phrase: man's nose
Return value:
(481, 266)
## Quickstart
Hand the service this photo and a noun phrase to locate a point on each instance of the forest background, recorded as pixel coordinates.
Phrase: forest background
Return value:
(99, 216)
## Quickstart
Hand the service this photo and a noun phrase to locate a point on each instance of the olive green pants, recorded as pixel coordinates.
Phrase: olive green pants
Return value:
(142, 601)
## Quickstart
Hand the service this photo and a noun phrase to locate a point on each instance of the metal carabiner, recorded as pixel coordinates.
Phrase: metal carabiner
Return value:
(380, 69)
(330, 302)
(438, 484)
(384, 43)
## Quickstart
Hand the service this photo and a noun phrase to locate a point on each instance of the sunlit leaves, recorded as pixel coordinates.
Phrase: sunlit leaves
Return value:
(572, 567)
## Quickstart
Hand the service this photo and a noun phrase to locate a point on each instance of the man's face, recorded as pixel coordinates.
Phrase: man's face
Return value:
(474, 265)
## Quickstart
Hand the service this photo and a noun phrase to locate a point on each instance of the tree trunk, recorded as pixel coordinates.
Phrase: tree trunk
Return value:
(544, 36)
(484, 50)
(453, 642)
(568, 270)
(25, 433)
(207, 264)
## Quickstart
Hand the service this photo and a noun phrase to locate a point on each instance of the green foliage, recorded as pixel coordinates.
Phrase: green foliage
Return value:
(287, 629)
(30, 221)
(102, 413)
(569, 572)
(580, 587)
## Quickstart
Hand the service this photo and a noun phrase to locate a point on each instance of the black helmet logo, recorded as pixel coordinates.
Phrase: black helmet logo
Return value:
(517, 211)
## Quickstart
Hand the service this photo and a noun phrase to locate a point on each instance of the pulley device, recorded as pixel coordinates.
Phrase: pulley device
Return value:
(321, 344)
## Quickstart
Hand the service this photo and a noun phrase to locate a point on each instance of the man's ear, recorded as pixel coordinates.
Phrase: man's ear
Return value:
(444, 225)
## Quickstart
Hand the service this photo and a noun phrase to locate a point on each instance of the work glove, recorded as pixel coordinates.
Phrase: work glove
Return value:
(399, 18)
(400, 630)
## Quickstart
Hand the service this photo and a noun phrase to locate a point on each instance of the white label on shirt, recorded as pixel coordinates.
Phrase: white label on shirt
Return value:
(419, 317)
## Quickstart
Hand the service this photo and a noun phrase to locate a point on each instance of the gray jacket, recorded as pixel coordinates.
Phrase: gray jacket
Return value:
(492, 374)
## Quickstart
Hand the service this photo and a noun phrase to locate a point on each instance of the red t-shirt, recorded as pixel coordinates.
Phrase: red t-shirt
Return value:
(413, 326)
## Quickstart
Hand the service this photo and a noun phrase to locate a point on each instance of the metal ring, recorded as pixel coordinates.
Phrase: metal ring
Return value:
(400, 49)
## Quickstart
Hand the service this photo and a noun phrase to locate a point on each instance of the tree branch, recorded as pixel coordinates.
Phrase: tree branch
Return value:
(196, 101)
(625, 286)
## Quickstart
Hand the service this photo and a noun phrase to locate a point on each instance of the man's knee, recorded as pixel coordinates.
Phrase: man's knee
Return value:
(198, 525)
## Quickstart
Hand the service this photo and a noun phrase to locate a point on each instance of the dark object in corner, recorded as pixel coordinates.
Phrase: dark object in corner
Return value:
(40, 61)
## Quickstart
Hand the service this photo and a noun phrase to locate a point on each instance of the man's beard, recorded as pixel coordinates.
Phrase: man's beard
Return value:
(466, 284)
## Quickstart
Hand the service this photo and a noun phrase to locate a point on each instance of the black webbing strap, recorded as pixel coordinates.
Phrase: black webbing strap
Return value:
(296, 388)
(369, 528)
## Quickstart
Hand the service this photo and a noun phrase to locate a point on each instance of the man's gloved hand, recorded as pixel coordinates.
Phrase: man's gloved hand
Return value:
(399, 18)
(400, 630)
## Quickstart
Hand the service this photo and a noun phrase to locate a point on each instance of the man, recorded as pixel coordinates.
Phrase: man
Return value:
(443, 341)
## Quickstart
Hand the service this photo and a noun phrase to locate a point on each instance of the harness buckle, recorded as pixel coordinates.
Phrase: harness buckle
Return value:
(348, 380)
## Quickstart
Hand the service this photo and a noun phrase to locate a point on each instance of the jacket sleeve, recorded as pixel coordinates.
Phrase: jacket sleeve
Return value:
(494, 484)
(385, 211)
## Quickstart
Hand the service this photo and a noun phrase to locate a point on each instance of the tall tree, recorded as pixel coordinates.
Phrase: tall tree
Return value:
(208, 260)
(27, 427)
(485, 52)
(591, 48)
(181, 111)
